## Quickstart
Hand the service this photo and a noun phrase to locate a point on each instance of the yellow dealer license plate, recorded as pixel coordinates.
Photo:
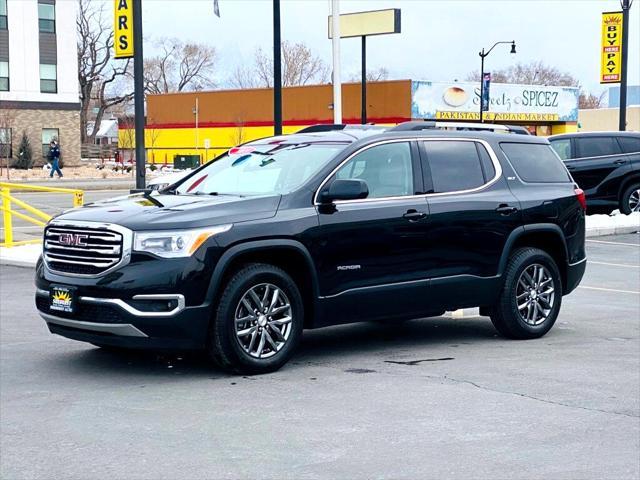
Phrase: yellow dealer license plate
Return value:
(62, 299)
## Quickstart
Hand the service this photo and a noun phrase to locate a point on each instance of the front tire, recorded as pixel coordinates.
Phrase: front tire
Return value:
(630, 199)
(531, 295)
(258, 321)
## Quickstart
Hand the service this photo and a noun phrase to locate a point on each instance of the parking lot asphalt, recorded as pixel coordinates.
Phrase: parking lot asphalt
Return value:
(431, 398)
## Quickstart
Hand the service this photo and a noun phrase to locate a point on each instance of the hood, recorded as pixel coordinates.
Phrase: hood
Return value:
(167, 212)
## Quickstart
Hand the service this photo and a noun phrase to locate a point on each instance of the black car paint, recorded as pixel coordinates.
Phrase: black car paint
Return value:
(603, 178)
(394, 265)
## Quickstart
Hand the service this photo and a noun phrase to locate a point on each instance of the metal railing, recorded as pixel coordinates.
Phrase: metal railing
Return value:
(38, 217)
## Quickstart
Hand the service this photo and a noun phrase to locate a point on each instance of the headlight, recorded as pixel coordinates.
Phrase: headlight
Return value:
(175, 243)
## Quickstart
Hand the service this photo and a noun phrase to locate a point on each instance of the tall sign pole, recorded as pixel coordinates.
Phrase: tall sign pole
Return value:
(138, 97)
(626, 7)
(363, 25)
(277, 70)
(335, 44)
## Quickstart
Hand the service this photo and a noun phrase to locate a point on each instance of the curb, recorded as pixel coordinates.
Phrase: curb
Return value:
(17, 263)
(604, 231)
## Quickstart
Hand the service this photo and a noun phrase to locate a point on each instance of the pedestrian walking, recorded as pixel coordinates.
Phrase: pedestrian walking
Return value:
(54, 159)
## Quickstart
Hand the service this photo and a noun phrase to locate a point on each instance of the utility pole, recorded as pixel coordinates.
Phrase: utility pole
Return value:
(626, 7)
(138, 97)
(363, 113)
(277, 70)
(335, 43)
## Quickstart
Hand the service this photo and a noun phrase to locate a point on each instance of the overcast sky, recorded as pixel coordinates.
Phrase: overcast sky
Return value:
(440, 39)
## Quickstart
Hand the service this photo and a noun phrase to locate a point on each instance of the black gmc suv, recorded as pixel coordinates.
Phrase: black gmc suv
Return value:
(316, 229)
(606, 165)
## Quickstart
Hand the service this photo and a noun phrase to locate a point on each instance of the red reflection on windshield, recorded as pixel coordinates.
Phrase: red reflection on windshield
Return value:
(241, 150)
(196, 183)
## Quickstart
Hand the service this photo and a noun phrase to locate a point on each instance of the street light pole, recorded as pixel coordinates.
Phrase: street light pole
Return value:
(484, 54)
(363, 113)
(138, 97)
(626, 7)
(335, 43)
(277, 70)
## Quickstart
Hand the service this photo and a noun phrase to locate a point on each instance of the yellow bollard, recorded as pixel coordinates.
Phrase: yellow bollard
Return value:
(6, 214)
(78, 198)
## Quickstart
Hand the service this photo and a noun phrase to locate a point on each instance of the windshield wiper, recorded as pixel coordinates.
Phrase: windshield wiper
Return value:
(216, 194)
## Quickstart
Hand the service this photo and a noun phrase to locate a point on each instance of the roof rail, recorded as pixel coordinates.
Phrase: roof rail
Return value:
(468, 126)
(330, 127)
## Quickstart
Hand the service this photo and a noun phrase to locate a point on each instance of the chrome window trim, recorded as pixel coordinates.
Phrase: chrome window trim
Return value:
(127, 245)
(494, 159)
(601, 156)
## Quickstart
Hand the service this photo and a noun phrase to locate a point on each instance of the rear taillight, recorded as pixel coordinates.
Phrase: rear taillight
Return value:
(581, 198)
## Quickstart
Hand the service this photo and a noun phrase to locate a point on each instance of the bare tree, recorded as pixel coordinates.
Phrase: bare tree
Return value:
(7, 120)
(299, 67)
(153, 134)
(102, 81)
(243, 77)
(534, 73)
(588, 101)
(179, 67)
(376, 75)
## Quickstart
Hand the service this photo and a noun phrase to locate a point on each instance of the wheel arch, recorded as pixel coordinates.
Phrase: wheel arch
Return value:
(290, 255)
(629, 179)
(545, 236)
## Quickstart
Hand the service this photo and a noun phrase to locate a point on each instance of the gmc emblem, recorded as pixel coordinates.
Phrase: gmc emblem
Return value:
(73, 239)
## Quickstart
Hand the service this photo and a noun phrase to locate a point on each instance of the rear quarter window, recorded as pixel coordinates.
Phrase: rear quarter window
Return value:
(629, 144)
(535, 162)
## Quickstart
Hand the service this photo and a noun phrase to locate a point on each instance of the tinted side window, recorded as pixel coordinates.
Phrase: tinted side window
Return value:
(386, 169)
(535, 162)
(562, 146)
(596, 146)
(629, 144)
(487, 165)
(454, 165)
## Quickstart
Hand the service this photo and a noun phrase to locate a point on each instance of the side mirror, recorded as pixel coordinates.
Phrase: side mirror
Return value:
(345, 190)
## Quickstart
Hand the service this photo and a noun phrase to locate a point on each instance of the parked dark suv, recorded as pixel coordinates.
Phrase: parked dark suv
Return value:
(606, 165)
(317, 229)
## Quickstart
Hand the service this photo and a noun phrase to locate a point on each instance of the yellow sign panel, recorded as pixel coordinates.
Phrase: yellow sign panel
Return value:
(375, 22)
(611, 54)
(123, 28)
(499, 116)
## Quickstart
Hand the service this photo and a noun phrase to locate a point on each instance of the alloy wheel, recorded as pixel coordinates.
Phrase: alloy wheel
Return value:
(535, 294)
(263, 320)
(634, 201)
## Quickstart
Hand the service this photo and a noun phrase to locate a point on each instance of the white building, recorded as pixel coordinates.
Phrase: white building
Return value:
(39, 75)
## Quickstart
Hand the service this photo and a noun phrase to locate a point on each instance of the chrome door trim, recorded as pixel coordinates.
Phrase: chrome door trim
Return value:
(484, 143)
(122, 329)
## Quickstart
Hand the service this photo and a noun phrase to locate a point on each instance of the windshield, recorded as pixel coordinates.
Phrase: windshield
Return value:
(260, 169)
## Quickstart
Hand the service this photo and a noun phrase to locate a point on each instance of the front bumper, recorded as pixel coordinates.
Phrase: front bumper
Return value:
(154, 321)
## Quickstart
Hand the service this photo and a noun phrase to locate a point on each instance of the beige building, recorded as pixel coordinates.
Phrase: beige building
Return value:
(39, 77)
(606, 119)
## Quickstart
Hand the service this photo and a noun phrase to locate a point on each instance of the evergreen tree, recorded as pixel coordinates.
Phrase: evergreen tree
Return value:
(24, 159)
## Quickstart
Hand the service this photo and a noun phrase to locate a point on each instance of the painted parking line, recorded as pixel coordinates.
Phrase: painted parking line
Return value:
(615, 243)
(634, 292)
(625, 265)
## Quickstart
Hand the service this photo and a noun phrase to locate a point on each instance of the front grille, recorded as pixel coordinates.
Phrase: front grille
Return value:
(84, 312)
(82, 250)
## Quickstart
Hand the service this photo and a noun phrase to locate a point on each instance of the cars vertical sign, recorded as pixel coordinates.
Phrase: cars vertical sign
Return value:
(123, 28)
(611, 54)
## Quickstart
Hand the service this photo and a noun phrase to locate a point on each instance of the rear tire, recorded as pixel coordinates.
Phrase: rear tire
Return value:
(258, 321)
(630, 199)
(531, 295)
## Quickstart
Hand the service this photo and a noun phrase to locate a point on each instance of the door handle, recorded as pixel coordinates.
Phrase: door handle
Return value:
(619, 162)
(414, 215)
(506, 209)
